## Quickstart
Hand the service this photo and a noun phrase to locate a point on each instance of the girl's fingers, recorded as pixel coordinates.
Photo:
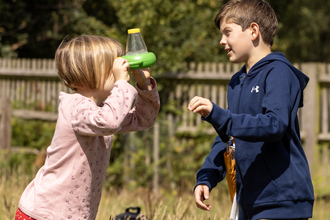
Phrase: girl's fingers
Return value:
(120, 61)
(120, 69)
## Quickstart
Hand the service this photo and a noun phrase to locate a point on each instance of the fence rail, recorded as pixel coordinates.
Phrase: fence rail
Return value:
(33, 84)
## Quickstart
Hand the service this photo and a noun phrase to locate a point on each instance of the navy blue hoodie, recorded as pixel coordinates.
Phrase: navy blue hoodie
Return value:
(272, 173)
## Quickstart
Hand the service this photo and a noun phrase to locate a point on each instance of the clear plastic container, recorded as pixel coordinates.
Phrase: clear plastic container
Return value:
(135, 43)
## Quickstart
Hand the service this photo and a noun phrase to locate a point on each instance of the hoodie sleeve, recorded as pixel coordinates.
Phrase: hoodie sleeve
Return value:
(282, 95)
(213, 170)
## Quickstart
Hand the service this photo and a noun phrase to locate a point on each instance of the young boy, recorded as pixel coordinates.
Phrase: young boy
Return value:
(272, 174)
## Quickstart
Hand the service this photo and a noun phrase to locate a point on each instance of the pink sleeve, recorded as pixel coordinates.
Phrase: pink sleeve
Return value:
(145, 110)
(89, 119)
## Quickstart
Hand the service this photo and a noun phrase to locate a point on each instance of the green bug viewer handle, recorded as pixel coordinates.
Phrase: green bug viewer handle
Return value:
(141, 61)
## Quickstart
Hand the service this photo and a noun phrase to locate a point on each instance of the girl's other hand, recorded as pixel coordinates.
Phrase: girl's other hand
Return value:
(120, 69)
(142, 77)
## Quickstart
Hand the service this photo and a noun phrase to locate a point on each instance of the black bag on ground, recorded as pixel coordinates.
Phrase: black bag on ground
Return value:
(128, 215)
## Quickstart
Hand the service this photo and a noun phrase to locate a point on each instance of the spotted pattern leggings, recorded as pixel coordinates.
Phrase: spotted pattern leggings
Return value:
(21, 216)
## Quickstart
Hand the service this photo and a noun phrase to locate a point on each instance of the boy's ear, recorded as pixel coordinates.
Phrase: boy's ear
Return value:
(255, 31)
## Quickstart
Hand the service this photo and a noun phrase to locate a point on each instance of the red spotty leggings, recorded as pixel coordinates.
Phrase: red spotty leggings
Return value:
(21, 216)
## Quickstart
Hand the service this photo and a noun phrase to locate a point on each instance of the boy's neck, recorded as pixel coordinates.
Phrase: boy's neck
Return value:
(258, 54)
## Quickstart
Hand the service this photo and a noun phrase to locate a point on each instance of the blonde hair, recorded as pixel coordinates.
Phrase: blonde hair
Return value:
(86, 61)
(244, 12)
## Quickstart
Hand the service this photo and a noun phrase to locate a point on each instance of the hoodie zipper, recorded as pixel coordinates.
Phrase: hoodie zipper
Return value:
(240, 94)
(242, 80)
(236, 165)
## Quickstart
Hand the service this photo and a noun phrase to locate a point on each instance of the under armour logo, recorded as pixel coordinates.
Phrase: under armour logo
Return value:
(256, 89)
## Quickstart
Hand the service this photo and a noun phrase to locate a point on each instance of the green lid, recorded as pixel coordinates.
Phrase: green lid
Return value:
(141, 61)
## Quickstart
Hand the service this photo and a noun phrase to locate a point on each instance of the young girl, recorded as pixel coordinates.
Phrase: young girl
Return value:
(69, 185)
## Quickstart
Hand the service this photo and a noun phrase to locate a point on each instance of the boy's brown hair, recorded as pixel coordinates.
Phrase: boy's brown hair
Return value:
(86, 61)
(245, 12)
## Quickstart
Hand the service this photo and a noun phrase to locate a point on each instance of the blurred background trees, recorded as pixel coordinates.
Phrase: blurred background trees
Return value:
(177, 31)
(304, 30)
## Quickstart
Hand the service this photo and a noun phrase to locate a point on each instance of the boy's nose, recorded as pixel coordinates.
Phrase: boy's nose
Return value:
(222, 42)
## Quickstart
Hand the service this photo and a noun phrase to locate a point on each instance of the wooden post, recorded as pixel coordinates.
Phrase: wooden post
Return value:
(310, 125)
(132, 149)
(5, 124)
(156, 159)
(129, 148)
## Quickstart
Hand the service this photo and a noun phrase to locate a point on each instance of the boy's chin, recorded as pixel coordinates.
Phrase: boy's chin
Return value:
(232, 60)
(235, 60)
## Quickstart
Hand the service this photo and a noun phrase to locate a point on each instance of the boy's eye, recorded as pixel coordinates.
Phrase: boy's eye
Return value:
(226, 33)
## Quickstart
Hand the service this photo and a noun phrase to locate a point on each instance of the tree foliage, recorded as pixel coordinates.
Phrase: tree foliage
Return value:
(177, 31)
(304, 33)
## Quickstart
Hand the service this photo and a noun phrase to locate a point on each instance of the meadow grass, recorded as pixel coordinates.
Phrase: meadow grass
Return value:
(163, 207)
(167, 206)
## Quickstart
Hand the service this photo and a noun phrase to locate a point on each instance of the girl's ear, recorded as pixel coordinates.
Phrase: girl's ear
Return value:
(255, 31)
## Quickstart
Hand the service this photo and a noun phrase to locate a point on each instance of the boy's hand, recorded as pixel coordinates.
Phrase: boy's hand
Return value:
(201, 194)
(120, 69)
(200, 105)
(142, 77)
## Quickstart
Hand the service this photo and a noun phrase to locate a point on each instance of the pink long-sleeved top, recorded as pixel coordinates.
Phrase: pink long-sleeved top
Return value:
(69, 184)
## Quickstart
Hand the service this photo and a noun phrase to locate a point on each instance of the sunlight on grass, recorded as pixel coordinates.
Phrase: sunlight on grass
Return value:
(164, 207)
(167, 206)
(11, 188)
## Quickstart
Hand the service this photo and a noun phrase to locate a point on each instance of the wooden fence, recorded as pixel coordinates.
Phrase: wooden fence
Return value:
(33, 84)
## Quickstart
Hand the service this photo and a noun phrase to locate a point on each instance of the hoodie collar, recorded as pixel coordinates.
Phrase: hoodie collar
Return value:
(277, 56)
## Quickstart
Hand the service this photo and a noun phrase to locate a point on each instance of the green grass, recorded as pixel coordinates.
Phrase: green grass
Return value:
(167, 206)
(164, 207)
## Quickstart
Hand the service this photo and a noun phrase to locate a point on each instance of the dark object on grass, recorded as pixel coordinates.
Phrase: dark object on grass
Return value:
(128, 215)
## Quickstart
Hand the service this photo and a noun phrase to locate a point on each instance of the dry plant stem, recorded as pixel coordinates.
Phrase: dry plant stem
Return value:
(164, 212)
(158, 210)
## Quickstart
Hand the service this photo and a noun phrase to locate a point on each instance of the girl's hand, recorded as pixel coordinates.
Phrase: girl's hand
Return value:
(200, 105)
(120, 69)
(142, 77)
